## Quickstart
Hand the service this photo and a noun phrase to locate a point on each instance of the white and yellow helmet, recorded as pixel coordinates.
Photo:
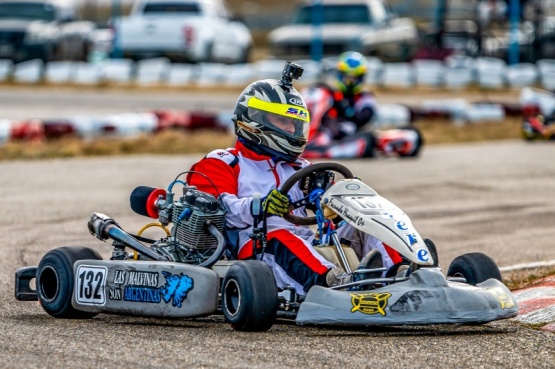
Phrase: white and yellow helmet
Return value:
(273, 119)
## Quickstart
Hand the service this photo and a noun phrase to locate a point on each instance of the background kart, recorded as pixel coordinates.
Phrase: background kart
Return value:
(367, 142)
(537, 127)
(193, 271)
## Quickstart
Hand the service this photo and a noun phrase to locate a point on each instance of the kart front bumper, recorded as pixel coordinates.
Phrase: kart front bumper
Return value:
(427, 297)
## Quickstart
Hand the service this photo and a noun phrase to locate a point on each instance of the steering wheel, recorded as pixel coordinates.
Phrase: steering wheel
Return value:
(288, 184)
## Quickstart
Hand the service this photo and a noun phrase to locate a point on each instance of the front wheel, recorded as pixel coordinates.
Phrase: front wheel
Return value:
(249, 296)
(55, 281)
(475, 267)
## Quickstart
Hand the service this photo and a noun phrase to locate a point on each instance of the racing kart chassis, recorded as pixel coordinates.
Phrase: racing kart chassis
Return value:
(177, 279)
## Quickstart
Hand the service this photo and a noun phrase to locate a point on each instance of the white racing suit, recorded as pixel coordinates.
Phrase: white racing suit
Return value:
(237, 174)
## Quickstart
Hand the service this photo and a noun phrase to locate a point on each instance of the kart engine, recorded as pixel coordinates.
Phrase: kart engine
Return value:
(190, 241)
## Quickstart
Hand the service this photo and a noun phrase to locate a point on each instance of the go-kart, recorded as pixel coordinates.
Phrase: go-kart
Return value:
(538, 127)
(349, 141)
(193, 271)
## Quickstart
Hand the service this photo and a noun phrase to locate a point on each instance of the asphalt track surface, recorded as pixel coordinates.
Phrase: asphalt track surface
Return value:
(495, 198)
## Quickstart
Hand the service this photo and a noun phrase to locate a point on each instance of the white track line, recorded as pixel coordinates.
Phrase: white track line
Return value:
(538, 264)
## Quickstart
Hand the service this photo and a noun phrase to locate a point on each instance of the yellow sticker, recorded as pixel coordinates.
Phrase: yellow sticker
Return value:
(286, 110)
(370, 302)
(505, 300)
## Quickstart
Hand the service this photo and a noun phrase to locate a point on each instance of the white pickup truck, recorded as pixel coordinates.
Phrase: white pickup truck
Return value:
(182, 30)
(367, 26)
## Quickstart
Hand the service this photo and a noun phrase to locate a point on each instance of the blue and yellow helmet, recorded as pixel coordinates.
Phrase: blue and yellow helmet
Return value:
(351, 70)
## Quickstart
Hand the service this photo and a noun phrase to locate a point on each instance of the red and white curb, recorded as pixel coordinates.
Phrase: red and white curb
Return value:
(536, 304)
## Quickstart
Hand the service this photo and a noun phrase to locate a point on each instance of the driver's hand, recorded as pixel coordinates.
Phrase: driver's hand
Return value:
(276, 203)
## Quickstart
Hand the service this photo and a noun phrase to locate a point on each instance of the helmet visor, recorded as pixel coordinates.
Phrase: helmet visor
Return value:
(290, 120)
(350, 80)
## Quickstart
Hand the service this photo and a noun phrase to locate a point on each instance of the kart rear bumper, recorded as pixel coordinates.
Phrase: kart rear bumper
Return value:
(23, 278)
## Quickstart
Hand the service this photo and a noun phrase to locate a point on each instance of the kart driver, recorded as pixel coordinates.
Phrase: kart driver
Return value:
(353, 107)
(271, 123)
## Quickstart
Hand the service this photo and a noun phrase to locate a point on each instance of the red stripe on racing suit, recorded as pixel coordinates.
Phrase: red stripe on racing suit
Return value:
(296, 245)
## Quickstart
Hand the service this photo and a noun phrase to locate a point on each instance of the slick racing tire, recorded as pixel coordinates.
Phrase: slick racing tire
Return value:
(249, 296)
(433, 251)
(475, 267)
(55, 281)
(418, 144)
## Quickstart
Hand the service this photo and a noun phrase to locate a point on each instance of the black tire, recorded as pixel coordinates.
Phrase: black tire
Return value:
(475, 267)
(55, 281)
(392, 272)
(433, 252)
(249, 296)
(419, 143)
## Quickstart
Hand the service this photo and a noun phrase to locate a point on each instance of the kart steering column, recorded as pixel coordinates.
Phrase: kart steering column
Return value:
(337, 244)
(315, 197)
(258, 233)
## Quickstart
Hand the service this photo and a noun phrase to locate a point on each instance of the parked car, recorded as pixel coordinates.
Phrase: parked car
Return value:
(182, 30)
(43, 29)
(367, 26)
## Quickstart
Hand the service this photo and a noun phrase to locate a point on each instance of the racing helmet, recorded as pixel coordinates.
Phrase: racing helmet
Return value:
(271, 118)
(351, 70)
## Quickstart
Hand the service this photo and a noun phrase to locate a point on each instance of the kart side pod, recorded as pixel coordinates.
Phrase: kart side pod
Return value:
(148, 288)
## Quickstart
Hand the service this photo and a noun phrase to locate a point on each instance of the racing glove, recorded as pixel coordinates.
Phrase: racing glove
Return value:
(276, 203)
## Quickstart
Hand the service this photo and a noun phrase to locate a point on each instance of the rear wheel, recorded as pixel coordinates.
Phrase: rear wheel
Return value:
(55, 281)
(475, 267)
(417, 144)
(249, 296)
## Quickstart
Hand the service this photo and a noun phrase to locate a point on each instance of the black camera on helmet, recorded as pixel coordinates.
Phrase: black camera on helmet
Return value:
(290, 72)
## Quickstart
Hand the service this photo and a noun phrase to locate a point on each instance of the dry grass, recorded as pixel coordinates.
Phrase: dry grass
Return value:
(526, 278)
(169, 142)
(177, 142)
(441, 131)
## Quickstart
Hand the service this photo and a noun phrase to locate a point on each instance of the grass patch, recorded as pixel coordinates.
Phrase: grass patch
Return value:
(525, 278)
(168, 142)
(441, 131)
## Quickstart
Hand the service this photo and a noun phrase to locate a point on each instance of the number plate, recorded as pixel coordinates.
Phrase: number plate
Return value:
(90, 285)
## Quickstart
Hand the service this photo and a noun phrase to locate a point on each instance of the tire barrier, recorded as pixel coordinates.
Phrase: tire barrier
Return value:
(456, 72)
(125, 125)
